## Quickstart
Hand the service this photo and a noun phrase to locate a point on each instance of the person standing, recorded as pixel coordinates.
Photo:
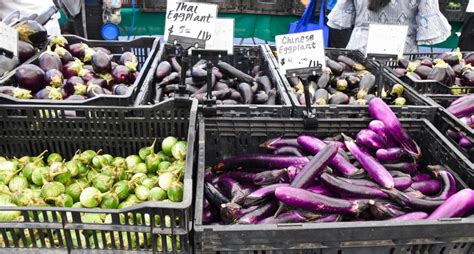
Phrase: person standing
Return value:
(426, 24)
(338, 38)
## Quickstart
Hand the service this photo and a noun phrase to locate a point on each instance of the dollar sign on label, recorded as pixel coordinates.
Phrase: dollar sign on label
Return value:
(283, 61)
(170, 30)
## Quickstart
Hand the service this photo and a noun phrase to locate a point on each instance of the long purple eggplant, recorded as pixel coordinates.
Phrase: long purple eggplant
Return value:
(380, 111)
(402, 181)
(234, 190)
(259, 162)
(242, 177)
(409, 168)
(319, 189)
(286, 217)
(411, 216)
(276, 143)
(338, 185)
(383, 210)
(428, 187)
(380, 128)
(314, 145)
(289, 150)
(456, 206)
(269, 177)
(262, 194)
(463, 107)
(421, 177)
(264, 211)
(370, 139)
(370, 164)
(449, 183)
(214, 196)
(389, 155)
(303, 199)
(413, 202)
(231, 212)
(329, 218)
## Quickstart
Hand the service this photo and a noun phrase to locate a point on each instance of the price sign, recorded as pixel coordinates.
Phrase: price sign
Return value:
(470, 7)
(225, 33)
(387, 39)
(191, 20)
(9, 41)
(300, 50)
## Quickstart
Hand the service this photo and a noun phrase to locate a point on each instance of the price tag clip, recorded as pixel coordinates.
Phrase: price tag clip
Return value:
(382, 60)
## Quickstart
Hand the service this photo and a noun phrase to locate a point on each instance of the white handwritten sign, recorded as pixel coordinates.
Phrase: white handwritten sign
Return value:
(9, 41)
(192, 20)
(470, 7)
(387, 39)
(225, 36)
(300, 50)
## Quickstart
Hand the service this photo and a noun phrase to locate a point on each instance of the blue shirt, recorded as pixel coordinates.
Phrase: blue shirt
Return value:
(331, 4)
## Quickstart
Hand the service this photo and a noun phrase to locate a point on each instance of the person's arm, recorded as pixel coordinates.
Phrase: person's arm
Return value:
(343, 15)
(432, 26)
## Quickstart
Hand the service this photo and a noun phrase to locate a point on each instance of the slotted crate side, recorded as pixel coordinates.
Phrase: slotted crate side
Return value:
(224, 137)
(417, 107)
(144, 48)
(120, 131)
(244, 59)
(273, 7)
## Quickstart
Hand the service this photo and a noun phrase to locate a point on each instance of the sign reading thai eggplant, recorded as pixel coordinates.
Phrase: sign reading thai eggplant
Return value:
(300, 50)
(9, 41)
(386, 39)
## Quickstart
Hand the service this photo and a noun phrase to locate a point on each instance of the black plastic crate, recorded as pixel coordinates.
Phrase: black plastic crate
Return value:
(224, 137)
(153, 5)
(144, 48)
(244, 58)
(10, 73)
(119, 131)
(417, 106)
(273, 7)
(453, 14)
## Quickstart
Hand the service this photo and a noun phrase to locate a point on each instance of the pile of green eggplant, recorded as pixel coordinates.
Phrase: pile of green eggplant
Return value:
(463, 108)
(377, 175)
(230, 86)
(32, 37)
(93, 180)
(73, 72)
(344, 82)
(448, 68)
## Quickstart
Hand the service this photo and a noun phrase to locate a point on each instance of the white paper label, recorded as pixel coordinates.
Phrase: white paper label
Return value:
(225, 36)
(387, 39)
(470, 6)
(9, 41)
(300, 50)
(192, 20)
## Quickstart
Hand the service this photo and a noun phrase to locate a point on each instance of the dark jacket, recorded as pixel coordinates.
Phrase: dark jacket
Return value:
(466, 41)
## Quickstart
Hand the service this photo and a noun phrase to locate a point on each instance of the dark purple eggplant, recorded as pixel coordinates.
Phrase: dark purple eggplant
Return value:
(366, 84)
(58, 41)
(449, 183)
(440, 73)
(264, 84)
(262, 194)
(351, 63)
(423, 71)
(31, 77)
(198, 74)
(162, 71)
(403, 63)
(246, 92)
(72, 68)
(468, 77)
(352, 80)
(119, 89)
(88, 75)
(129, 60)
(389, 155)
(399, 72)
(260, 98)
(407, 167)
(242, 177)
(383, 210)
(339, 99)
(413, 202)
(259, 162)
(174, 77)
(338, 185)
(321, 97)
(233, 190)
(306, 200)
(121, 74)
(428, 187)
(289, 150)
(49, 60)
(32, 32)
(314, 145)
(16, 92)
(25, 51)
(421, 177)
(175, 64)
(64, 55)
(231, 71)
(269, 177)
(101, 63)
(451, 58)
(54, 78)
(319, 189)
(49, 93)
(457, 205)
(276, 143)
(370, 139)
(413, 76)
(262, 212)
(94, 90)
(287, 217)
(76, 97)
(323, 80)
(214, 196)
(335, 67)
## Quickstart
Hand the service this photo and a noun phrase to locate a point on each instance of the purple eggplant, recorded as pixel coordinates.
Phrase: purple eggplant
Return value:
(370, 164)
(423, 71)
(402, 181)
(94, 90)
(54, 78)
(119, 89)
(306, 200)
(208, 217)
(76, 97)
(465, 143)
(72, 68)
(276, 143)
(457, 205)
(49, 60)
(259, 162)
(370, 139)
(389, 155)
(32, 32)
(64, 55)
(242, 177)
(234, 190)
(31, 77)
(88, 75)
(428, 187)
(269, 177)
(58, 41)
(411, 216)
(380, 111)
(214, 196)
(319, 189)
(449, 183)
(289, 150)
(314, 145)
(287, 217)
(338, 185)
(407, 167)
(464, 107)
(163, 70)
(383, 210)
(413, 202)
(421, 177)
(264, 211)
(231, 212)
(328, 218)
(49, 93)
(25, 51)
(262, 194)
(121, 74)
(102, 49)
(130, 61)
(78, 49)
(16, 92)
(101, 63)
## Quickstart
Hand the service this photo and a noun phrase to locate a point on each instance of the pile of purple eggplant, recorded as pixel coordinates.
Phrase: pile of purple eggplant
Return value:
(463, 108)
(230, 86)
(73, 72)
(343, 82)
(377, 176)
(448, 68)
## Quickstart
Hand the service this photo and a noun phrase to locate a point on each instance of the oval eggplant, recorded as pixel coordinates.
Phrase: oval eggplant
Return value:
(75, 86)
(121, 74)
(32, 32)
(31, 77)
(54, 78)
(25, 51)
(129, 60)
(49, 93)
(58, 41)
(119, 89)
(49, 60)
(101, 63)
(94, 90)
(64, 55)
